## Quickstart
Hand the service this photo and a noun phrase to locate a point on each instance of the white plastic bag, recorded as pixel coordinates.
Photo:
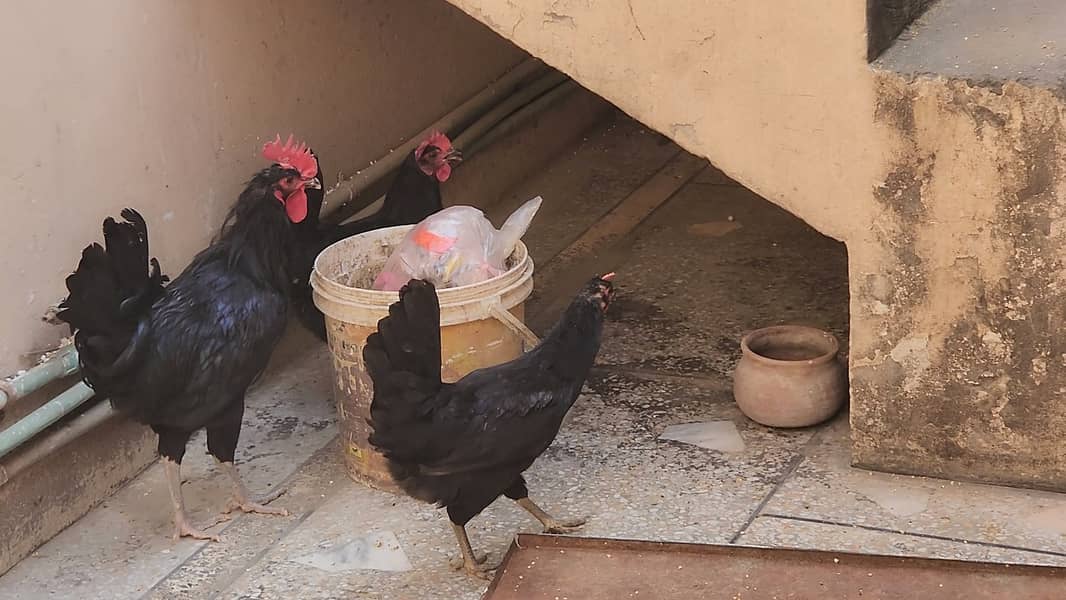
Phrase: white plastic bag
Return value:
(454, 247)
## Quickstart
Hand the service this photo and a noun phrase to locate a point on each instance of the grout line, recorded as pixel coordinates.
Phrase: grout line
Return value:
(928, 536)
(793, 466)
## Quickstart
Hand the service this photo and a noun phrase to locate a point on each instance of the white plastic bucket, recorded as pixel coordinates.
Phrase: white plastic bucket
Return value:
(481, 326)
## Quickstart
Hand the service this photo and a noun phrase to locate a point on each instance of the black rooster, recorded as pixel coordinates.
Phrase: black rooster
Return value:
(461, 445)
(413, 195)
(180, 358)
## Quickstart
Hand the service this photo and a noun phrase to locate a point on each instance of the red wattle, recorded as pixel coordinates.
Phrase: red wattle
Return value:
(444, 172)
(296, 206)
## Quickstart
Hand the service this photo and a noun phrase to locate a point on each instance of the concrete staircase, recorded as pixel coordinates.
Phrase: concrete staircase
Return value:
(940, 165)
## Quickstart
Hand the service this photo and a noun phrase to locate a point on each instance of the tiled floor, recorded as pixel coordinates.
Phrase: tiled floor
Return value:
(712, 262)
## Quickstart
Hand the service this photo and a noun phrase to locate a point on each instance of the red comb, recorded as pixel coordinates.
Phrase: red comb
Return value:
(608, 276)
(437, 139)
(291, 156)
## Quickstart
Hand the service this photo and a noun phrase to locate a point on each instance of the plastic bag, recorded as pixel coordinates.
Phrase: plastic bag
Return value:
(454, 247)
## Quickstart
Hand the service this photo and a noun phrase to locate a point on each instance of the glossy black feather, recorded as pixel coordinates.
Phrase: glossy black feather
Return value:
(179, 357)
(461, 445)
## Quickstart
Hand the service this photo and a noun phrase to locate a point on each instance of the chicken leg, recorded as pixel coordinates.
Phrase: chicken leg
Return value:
(473, 565)
(242, 501)
(222, 444)
(550, 523)
(182, 527)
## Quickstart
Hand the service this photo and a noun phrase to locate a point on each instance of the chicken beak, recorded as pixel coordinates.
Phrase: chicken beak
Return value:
(313, 184)
(453, 156)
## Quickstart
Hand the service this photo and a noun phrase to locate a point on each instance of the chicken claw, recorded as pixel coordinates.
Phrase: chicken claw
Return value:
(245, 504)
(564, 526)
(550, 523)
(182, 528)
(241, 500)
(457, 563)
(472, 563)
(478, 570)
(248, 506)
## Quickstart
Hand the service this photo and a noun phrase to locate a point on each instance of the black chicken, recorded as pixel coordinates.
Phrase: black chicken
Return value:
(180, 358)
(413, 195)
(461, 445)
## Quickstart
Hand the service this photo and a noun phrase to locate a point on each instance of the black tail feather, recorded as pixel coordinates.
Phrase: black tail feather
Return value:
(403, 359)
(109, 294)
(411, 332)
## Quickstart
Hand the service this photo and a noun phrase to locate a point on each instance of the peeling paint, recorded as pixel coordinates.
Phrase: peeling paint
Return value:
(965, 305)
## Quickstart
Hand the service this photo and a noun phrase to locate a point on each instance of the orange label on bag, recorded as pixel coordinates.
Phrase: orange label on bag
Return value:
(433, 242)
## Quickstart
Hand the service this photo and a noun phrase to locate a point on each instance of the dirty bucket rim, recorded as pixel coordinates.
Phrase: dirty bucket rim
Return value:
(520, 255)
(364, 306)
(814, 332)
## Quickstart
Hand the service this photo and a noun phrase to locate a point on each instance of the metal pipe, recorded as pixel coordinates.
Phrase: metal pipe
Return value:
(344, 193)
(61, 365)
(506, 108)
(503, 119)
(55, 440)
(519, 117)
(37, 421)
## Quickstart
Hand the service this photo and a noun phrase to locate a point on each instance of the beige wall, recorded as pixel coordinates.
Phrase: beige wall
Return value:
(950, 196)
(757, 87)
(162, 106)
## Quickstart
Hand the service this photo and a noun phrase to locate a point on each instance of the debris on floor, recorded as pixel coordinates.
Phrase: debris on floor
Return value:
(378, 551)
(712, 435)
(714, 228)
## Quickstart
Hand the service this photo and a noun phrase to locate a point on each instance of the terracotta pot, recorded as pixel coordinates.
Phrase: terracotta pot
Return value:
(789, 376)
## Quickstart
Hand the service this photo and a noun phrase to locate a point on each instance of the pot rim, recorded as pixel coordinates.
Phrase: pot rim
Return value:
(818, 360)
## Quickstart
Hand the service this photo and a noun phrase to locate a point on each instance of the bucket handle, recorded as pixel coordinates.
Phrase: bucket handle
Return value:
(504, 316)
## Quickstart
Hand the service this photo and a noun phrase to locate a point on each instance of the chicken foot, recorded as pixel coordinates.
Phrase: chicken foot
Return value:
(241, 499)
(550, 523)
(473, 565)
(458, 562)
(182, 527)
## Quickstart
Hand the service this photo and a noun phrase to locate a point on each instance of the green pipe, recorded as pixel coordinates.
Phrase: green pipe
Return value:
(39, 420)
(59, 366)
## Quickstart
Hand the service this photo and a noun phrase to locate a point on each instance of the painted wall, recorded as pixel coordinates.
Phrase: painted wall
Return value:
(950, 196)
(163, 106)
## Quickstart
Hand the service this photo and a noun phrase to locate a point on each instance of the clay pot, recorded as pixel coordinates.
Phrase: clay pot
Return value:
(789, 376)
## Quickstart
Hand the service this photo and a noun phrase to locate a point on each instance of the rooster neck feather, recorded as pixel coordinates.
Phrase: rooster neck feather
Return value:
(257, 236)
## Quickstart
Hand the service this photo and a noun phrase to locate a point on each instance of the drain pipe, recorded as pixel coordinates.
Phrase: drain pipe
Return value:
(507, 116)
(508, 106)
(37, 421)
(61, 365)
(55, 440)
(346, 191)
(472, 141)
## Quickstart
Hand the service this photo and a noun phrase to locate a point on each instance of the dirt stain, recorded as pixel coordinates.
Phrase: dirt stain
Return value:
(714, 228)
